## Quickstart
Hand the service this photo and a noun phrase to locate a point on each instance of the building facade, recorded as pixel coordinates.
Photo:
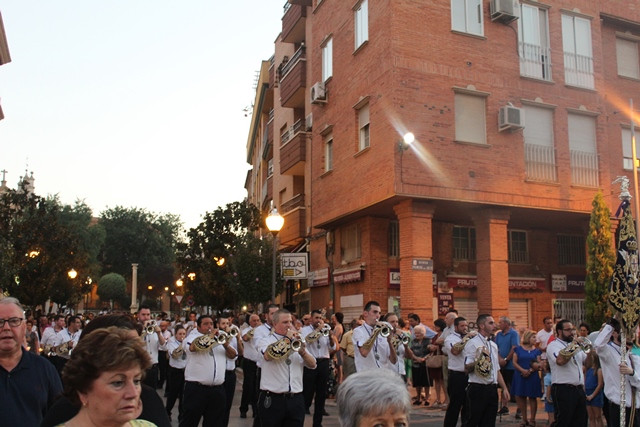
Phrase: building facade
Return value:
(4, 53)
(520, 111)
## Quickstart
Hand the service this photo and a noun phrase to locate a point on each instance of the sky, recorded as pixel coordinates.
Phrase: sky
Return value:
(134, 103)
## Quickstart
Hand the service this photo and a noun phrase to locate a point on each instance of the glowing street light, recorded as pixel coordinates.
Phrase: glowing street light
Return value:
(179, 283)
(191, 276)
(219, 261)
(275, 222)
(72, 274)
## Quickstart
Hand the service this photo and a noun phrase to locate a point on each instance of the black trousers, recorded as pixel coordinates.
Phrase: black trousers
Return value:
(482, 400)
(175, 389)
(201, 401)
(229, 388)
(256, 420)
(249, 396)
(163, 367)
(614, 416)
(151, 377)
(314, 381)
(569, 405)
(284, 410)
(457, 399)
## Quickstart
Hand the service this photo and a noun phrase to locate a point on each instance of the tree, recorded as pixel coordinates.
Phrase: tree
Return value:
(112, 287)
(250, 267)
(600, 262)
(135, 235)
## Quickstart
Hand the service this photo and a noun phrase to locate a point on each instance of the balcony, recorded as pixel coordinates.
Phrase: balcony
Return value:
(540, 163)
(295, 226)
(584, 168)
(293, 151)
(293, 80)
(294, 22)
(578, 70)
(267, 190)
(535, 61)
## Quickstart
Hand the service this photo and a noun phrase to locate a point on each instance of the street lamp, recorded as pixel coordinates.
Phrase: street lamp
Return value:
(274, 221)
(72, 274)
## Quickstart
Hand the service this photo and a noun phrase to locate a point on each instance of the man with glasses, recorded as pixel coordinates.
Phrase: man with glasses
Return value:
(28, 383)
(567, 378)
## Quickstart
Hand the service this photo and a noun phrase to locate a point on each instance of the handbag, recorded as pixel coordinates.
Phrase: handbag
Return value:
(434, 360)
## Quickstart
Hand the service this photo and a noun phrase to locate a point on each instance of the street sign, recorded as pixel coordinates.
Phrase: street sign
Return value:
(422, 264)
(178, 298)
(293, 265)
(190, 301)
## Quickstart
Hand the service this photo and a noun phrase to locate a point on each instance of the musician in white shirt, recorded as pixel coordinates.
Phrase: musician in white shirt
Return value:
(372, 353)
(175, 374)
(458, 378)
(249, 367)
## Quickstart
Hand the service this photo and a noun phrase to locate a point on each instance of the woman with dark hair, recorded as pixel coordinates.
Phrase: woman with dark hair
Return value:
(106, 384)
(152, 406)
(435, 373)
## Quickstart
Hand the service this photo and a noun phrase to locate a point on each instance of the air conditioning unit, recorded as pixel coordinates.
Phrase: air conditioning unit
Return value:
(510, 118)
(308, 122)
(505, 11)
(318, 93)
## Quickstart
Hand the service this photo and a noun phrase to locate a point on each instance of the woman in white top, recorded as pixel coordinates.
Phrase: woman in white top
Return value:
(175, 375)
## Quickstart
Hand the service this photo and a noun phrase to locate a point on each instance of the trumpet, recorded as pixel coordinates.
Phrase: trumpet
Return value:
(222, 337)
(296, 343)
(150, 327)
(250, 333)
(234, 331)
(459, 346)
(383, 329)
(579, 343)
(326, 330)
(397, 339)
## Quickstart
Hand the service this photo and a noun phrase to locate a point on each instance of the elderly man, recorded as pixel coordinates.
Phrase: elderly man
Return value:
(281, 402)
(249, 367)
(372, 351)
(483, 366)
(28, 383)
(507, 340)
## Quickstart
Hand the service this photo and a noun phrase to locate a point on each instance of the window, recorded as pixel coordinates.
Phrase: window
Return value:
(328, 153)
(539, 150)
(518, 252)
(627, 56)
(470, 118)
(362, 23)
(363, 126)
(394, 239)
(464, 243)
(627, 149)
(350, 243)
(571, 250)
(270, 168)
(578, 57)
(582, 147)
(466, 16)
(533, 42)
(327, 60)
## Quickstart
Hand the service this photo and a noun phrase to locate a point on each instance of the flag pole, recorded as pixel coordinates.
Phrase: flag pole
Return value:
(635, 162)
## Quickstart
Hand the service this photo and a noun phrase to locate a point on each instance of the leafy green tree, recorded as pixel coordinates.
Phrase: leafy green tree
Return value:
(600, 262)
(134, 235)
(250, 266)
(112, 287)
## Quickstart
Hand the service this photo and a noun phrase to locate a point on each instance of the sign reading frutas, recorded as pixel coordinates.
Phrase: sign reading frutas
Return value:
(293, 265)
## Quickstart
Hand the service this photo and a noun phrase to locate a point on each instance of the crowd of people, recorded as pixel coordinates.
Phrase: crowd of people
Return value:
(112, 369)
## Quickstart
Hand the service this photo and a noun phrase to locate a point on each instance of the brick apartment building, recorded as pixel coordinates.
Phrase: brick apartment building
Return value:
(520, 111)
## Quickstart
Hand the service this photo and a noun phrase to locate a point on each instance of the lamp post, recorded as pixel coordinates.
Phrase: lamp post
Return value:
(274, 221)
(134, 288)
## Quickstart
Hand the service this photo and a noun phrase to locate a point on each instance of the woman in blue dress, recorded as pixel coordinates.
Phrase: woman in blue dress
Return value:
(593, 386)
(526, 380)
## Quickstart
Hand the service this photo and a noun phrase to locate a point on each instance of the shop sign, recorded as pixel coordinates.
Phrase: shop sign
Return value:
(445, 302)
(319, 277)
(516, 283)
(564, 283)
(394, 278)
(293, 265)
(347, 275)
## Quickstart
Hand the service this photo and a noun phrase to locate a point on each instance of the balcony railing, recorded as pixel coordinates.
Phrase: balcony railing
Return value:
(285, 67)
(584, 168)
(540, 163)
(518, 257)
(535, 61)
(578, 70)
(295, 202)
(289, 133)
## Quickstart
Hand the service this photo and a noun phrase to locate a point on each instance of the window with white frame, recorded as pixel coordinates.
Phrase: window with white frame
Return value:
(350, 240)
(627, 149)
(627, 58)
(539, 149)
(466, 16)
(571, 249)
(361, 23)
(327, 59)
(470, 118)
(270, 168)
(328, 153)
(517, 242)
(464, 243)
(582, 148)
(394, 239)
(363, 127)
(578, 54)
(533, 42)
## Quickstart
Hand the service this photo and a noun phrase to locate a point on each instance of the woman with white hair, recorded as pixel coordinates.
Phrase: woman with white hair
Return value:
(367, 399)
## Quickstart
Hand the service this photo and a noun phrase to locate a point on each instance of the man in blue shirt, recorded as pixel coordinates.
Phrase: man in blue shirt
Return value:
(507, 340)
(28, 383)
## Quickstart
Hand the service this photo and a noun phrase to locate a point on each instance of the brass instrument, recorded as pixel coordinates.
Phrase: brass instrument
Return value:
(383, 329)
(280, 349)
(398, 339)
(579, 343)
(296, 343)
(205, 342)
(234, 331)
(483, 364)
(150, 327)
(251, 332)
(178, 352)
(459, 346)
(222, 337)
(63, 349)
(326, 330)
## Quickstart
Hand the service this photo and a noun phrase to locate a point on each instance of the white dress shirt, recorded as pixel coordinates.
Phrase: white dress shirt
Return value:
(542, 337)
(470, 356)
(398, 367)
(260, 332)
(205, 367)
(610, 356)
(455, 363)
(231, 363)
(378, 357)
(68, 336)
(166, 335)
(321, 348)
(52, 337)
(280, 376)
(181, 362)
(569, 373)
(152, 344)
(250, 351)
